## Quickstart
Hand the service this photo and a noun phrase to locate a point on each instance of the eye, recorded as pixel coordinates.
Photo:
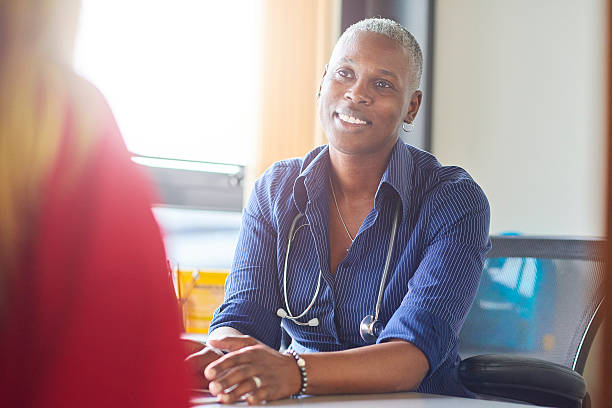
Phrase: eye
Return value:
(381, 83)
(344, 73)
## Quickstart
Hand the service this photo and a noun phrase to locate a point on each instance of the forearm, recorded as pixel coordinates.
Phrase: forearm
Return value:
(223, 331)
(386, 367)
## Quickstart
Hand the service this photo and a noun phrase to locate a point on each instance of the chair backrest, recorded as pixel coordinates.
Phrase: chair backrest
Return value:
(538, 297)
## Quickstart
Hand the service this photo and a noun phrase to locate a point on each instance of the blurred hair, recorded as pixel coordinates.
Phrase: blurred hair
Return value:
(39, 92)
(396, 32)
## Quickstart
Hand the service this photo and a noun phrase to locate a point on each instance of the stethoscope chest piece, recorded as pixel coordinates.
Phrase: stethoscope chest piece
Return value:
(370, 329)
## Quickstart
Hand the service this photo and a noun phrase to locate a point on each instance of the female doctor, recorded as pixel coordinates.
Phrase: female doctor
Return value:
(367, 251)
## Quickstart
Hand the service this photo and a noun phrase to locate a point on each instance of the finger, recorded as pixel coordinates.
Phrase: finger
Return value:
(196, 374)
(208, 352)
(198, 362)
(192, 346)
(218, 367)
(248, 386)
(233, 343)
(231, 377)
(258, 397)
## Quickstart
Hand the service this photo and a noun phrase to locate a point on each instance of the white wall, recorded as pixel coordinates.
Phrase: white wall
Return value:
(519, 103)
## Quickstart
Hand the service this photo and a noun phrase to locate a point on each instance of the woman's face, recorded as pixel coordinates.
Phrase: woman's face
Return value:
(366, 94)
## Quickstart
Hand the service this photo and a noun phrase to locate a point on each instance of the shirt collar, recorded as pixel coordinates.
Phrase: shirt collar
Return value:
(312, 180)
(399, 175)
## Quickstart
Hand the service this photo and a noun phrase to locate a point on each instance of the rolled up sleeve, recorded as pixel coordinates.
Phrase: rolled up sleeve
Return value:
(443, 287)
(251, 289)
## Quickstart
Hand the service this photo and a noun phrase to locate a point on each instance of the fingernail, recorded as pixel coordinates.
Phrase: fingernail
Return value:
(214, 387)
(253, 401)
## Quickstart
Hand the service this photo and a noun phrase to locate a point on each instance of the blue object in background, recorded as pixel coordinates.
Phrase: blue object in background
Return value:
(514, 307)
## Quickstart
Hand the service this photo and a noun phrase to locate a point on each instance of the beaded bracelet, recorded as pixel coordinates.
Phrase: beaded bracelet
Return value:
(301, 363)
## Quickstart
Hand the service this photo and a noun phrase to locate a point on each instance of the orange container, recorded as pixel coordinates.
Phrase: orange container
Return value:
(200, 294)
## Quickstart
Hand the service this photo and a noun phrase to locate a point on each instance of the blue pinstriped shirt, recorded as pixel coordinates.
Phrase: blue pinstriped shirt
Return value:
(439, 251)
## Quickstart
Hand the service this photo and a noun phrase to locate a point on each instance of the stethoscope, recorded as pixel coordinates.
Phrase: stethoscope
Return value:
(370, 327)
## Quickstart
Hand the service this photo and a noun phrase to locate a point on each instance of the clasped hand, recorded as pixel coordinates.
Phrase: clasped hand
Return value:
(249, 369)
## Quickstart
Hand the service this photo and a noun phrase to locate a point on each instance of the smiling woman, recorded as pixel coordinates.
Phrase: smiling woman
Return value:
(367, 251)
(370, 90)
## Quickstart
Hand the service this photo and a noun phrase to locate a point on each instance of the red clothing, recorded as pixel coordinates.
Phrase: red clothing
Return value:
(91, 320)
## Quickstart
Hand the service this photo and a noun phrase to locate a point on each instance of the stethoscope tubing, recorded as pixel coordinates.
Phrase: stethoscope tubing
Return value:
(289, 313)
(383, 281)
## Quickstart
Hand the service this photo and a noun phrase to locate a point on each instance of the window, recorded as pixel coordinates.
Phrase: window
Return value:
(181, 76)
(199, 239)
(182, 80)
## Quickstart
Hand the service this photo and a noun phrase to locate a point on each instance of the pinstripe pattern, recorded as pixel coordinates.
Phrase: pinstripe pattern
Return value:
(441, 242)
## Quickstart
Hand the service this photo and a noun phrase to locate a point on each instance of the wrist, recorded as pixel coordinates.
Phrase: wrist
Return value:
(294, 379)
(300, 364)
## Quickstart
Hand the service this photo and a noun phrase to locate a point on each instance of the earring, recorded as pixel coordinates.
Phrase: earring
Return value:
(408, 127)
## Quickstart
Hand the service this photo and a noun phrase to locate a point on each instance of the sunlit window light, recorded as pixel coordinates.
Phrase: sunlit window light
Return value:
(181, 76)
(186, 165)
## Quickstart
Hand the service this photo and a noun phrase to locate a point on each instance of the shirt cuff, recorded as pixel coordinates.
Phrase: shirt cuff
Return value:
(432, 335)
(251, 319)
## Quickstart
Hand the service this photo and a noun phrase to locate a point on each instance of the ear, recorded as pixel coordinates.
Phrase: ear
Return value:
(415, 104)
(322, 78)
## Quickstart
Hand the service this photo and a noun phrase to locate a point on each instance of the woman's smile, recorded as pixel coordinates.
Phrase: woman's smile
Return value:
(351, 121)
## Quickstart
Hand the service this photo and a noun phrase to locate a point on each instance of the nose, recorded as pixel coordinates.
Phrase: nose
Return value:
(358, 93)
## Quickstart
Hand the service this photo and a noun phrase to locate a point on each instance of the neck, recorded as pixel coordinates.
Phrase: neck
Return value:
(357, 176)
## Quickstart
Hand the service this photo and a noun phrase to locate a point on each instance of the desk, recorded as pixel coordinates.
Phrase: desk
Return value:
(390, 400)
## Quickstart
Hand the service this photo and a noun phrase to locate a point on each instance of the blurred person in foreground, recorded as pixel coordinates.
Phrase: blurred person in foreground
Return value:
(87, 315)
(320, 232)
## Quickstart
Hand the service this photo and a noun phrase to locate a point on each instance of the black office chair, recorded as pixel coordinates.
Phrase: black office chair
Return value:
(529, 332)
